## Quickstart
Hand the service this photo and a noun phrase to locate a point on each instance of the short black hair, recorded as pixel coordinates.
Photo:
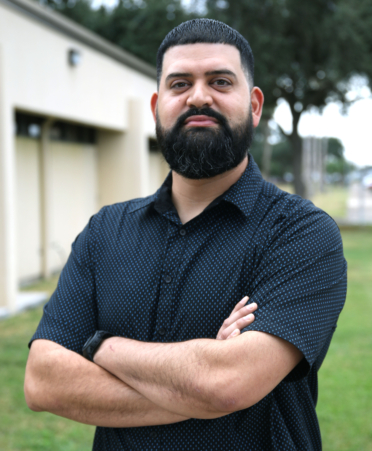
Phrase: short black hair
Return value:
(209, 31)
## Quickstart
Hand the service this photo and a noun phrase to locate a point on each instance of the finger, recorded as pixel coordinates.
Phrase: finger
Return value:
(233, 334)
(239, 324)
(240, 304)
(244, 311)
(235, 317)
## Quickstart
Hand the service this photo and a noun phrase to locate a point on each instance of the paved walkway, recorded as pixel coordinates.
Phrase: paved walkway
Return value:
(359, 205)
(25, 300)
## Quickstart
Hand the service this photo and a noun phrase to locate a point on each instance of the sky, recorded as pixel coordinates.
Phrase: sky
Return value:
(109, 3)
(353, 129)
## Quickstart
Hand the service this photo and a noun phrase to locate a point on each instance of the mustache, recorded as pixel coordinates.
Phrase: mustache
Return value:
(200, 112)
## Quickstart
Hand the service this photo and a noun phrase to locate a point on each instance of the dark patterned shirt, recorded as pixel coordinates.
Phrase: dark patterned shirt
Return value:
(137, 271)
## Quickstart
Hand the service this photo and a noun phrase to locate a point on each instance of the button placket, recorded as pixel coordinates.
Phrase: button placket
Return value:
(172, 261)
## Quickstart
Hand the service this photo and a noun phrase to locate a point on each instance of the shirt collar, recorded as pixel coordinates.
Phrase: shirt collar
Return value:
(163, 197)
(243, 194)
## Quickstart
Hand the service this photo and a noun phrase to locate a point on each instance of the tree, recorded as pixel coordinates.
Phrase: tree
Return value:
(81, 12)
(307, 52)
(337, 166)
(137, 26)
(281, 154)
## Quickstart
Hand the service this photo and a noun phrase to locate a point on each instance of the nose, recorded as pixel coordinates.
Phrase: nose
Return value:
(199, 96)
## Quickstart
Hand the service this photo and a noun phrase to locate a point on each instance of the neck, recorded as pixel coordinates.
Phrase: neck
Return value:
(191, 197)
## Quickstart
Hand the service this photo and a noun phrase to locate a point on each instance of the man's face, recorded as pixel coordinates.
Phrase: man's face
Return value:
(203, 111)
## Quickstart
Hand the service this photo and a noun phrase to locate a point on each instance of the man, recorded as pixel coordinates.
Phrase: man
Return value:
(160, 275)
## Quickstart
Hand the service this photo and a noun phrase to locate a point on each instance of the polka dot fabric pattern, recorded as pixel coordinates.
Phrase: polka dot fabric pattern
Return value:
(137, 272)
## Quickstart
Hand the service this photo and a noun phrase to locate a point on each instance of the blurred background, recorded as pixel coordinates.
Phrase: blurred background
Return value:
(76, 133)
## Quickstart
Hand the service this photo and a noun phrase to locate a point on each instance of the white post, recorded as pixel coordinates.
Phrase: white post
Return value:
(323, 164)
(46, 208)
(306, 171)
(8, 270)
(137, 144)
(123, 159)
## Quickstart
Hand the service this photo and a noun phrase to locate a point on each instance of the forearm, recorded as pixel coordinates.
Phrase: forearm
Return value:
(202, 378)
(64, 383)
(182, 377)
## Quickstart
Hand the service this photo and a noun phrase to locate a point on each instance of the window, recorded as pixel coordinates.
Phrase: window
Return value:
(67, 132)
(29, 125)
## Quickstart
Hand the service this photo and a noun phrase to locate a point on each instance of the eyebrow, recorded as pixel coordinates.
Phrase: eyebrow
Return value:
(177, 74)
(212, 72)
(221, 72)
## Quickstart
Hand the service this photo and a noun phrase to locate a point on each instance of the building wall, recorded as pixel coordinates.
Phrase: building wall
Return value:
(28, 209)
(74, 181)
(158, 170)
(73, 199)
(8, 278)
(40, 79)
(74, 196)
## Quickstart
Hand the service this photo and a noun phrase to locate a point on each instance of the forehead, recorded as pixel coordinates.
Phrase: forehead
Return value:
(193, 58)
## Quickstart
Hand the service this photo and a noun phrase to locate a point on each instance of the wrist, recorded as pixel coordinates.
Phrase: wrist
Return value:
(93, 343)
(107, 347)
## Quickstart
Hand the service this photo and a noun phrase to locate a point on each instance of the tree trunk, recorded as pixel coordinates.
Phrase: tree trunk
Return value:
(267, 150)
(296, 142)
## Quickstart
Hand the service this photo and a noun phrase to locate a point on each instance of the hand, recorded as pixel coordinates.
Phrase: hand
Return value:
(239, 318)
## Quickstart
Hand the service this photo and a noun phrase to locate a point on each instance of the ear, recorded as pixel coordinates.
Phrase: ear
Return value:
(153, 103)
(257, 100)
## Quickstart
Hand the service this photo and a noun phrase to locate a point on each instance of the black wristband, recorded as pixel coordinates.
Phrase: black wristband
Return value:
(94, 342)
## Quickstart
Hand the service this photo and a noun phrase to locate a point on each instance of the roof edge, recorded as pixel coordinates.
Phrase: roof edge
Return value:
(68, 27)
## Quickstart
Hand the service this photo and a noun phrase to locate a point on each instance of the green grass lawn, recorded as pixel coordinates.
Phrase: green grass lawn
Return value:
(20, 428)
(333, 200)
(345, 382)
(47, 285)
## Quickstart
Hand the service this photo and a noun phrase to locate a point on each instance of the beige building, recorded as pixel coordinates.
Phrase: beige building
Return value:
(75, 133)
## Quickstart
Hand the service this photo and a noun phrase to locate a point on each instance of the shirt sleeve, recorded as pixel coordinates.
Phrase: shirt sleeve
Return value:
(70, 316)
(299, 284)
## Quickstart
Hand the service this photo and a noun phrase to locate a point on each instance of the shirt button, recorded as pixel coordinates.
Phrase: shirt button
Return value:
(168, 279)
(153, 434)
(162, 331)
(182, 232)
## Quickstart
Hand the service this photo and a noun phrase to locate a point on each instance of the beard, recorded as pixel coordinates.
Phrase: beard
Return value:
(204, 152)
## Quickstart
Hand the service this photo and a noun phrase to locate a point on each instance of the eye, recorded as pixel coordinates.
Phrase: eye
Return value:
(221, 82)
(179, 85)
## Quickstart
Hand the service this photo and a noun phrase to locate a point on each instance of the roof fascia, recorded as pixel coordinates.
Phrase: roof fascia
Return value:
(66, 26)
